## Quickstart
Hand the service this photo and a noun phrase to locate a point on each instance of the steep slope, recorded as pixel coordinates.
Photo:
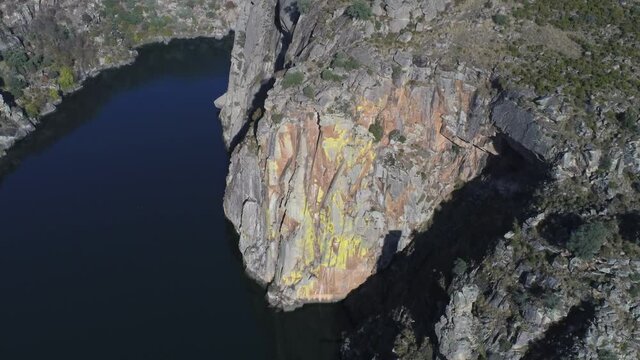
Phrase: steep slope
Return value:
(356, 145)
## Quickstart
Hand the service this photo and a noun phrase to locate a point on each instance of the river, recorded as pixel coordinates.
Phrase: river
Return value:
(113, 241)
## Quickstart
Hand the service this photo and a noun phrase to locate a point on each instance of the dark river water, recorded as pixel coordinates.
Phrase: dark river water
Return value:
(113, 241)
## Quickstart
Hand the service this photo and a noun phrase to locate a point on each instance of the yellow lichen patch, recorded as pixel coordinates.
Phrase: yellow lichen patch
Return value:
(292, 278)
(306, 291)
(333, 146)
(343, 248)
(320, 195)
(364, 152)
(309, 238)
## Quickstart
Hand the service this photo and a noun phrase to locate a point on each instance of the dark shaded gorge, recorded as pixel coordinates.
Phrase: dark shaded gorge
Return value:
(113, 241)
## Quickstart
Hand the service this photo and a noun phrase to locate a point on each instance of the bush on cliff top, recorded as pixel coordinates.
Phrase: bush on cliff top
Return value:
(359, 9)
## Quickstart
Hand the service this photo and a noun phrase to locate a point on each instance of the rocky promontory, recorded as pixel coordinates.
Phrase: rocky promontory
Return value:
(381, 150)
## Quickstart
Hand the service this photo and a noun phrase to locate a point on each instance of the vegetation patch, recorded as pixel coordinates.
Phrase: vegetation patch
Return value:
(500, 19)
(329, 75)
(303, 6)
(276, 118)
(376, 130)
(309, 92)
(292, 79)
(341, 60)
(66, 79)
(585, 242)
(360, 10)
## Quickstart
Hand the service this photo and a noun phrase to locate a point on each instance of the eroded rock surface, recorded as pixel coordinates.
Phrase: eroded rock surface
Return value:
(338, 170)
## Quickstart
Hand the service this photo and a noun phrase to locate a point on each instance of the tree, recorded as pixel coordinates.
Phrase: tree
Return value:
(15, 85)
(586, 240)
(17, 60)
(66, 79)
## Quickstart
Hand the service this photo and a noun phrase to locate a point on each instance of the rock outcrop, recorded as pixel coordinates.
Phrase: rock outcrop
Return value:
(340, 167)
(256, 47)
(14, 125)
(536, 302)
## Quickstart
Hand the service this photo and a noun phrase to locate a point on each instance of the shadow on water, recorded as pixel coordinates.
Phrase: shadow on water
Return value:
(191, 304)
(312, 332)
(181, 58)
(467, 226)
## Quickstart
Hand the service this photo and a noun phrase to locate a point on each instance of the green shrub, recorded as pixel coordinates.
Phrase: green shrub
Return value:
(606, 355)
(15, 85)
(586, 240)
(376, 130)
(628, 120)
(551, 300)
(309, 92)
(500, 19)
(292, 79)
(276, 118)
(329, 75)
(459, 267)
(17, 60)
(359, 9)
(303, 6)
(53, 94)
(66, 79)
(395, 135)
(341, 60)
(32, 108)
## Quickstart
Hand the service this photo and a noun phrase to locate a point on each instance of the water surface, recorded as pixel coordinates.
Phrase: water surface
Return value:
(113, 242)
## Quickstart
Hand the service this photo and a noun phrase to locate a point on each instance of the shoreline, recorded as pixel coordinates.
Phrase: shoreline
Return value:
(32, 124)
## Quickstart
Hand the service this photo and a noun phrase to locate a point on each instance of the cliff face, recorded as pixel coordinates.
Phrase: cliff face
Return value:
(47, 48)
(253, 61)
(530, 300)
(351, 135)
(340, 168)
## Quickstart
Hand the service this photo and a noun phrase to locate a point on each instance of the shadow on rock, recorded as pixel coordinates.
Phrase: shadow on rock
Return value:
(394, 312)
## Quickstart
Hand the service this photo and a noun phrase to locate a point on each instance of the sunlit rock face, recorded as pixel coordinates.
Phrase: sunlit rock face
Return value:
(337, 172)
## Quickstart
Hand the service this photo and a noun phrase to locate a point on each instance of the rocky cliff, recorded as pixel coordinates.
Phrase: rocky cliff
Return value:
(530, 300)
(354, 145)
(380, 151)
(465, 174)
(47, 48)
